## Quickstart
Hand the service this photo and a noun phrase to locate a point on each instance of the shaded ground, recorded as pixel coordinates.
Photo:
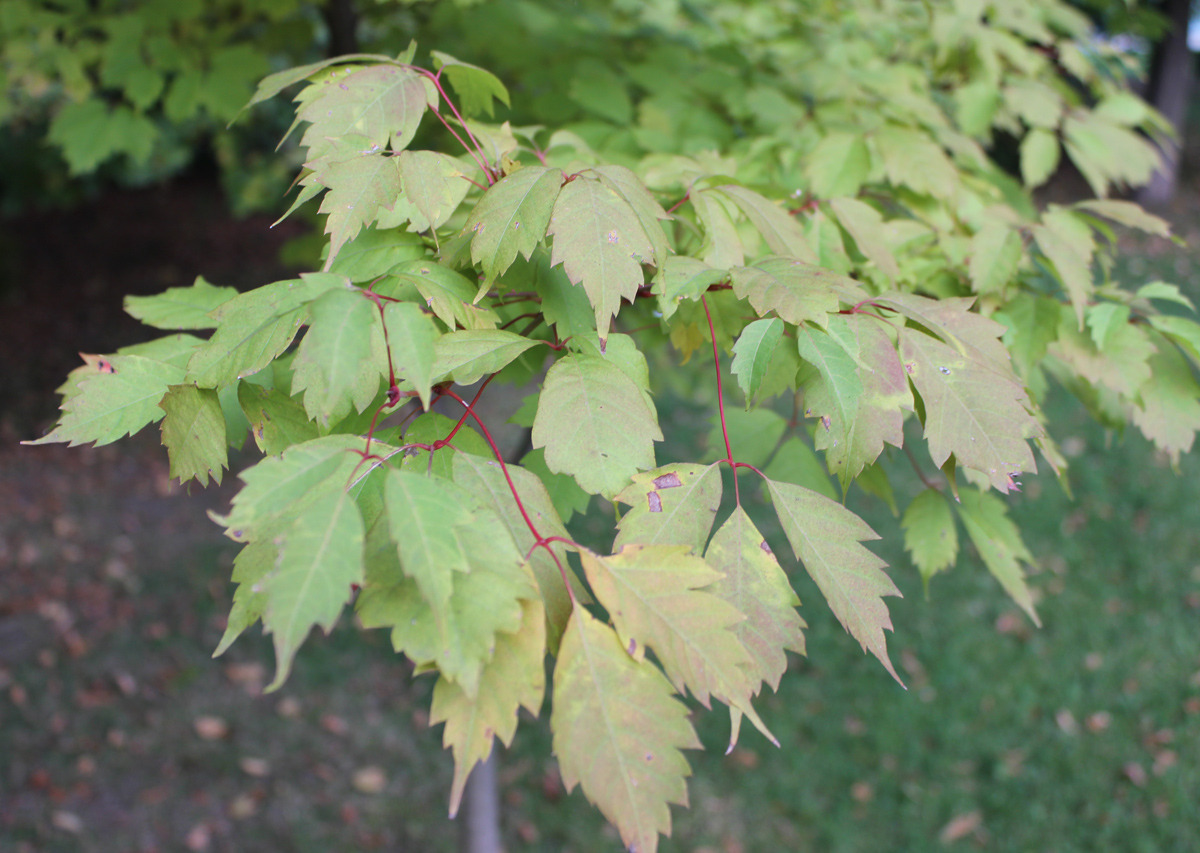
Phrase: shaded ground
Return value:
(118, 733)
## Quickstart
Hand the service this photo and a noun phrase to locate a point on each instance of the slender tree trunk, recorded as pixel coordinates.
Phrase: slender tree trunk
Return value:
(341, 17)
(479, 829)
(1170, 81)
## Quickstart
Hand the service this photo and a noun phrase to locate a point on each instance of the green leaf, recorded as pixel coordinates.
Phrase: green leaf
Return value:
(376, 251)
(434, 186)
(193, 432)
(564, 492)
(474, 86)
(1128, 214)
(1169, 411)
(601, 242)
(860, 394)
(412, 339)
(672, 505)
(180, 307)
(971, 410)
(110, 405)
(756, 586)
(794, 290)
(277, 421)
(515, 677)
(253, 563)
(1072, 261)
(380, 102)
(795, 462)
(468, 356)
(1103, 318)
(90, 132)
(1166, 292)
(825, 537)
(485, 480)
(782, 233)
(1183, 332)
(273, 84)
(335, 365)
(320, 560)
(995, 255)
(594, 424)
(1039, 157)
(716, 213)
(866, 227)
(930, 534)
(649, 212)
(999, 544)
(684, 278)
(912, 159)
(753, 434)
(447, 293)
(618, 731)
(424, 514)
(358, 189)
(838, 166)
(1123, 364)
(512, 217)
(752, 354)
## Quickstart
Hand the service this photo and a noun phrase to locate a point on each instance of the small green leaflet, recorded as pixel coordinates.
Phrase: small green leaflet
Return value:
(866, 227)
(515, 677)
(673, 505)
(468, 356)
(430, 428)
(180, 307)
(716, 213)
(193, 432)
(251, 565)
(1169, 412)
(109, 405)
(564, 492)
(434, 186)
(1123, 364)
(423, 514)
(321, 557)
(684, 278)
(411, 337)
(795, 462)
(825, 537)
(655, 598)
(376, 251)
(273, 84)
(649, 212)
(838, 166)
(752, 354)
(600, 240)
(474, 86)
(447, 293)
(1072, 261)
(277, 421)
(911, 158)
(930, 534)
(358, 189)
(754, 433)
(335, 365)
(995, 254)
(512, 217)
(972, 411)
(756, 586)
(618, 730)
(380, 102)
(1040, 152)
(794, 290)
(999, 544)
(594, 424)
(781, 232)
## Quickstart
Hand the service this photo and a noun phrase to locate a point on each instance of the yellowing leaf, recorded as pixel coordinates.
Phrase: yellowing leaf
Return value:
(672, 505)
(512, 217)
(794, 290)
(999, 544)
(995, 254)
(434, 187)
(1169, 410)
(825, 537)
(930, 534)
(193, 432)
(618, 731)
(911, 158)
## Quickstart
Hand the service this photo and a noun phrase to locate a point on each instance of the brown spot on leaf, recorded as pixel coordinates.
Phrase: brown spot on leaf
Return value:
(655, 501)
(826, 422)
(632, 646)
(668, 481)
(765, 546)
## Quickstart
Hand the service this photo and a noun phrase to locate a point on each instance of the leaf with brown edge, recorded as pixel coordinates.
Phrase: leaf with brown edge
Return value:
(671, 505)
(825, 537)
(655, 596)
(756, 586)
(515, 677)
(618, 731)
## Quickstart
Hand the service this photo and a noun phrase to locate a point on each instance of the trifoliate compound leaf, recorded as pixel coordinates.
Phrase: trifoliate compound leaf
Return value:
(116, 400)
(512, 217)
(865, 225)
(971, 410)
(601, 242)
(180, 307)
(999, 544)
(672, 505)
(320, 560)
(825, 537)
(838, 165)
(995, 254)
(334, 364)
(653, 594)
(756, 586)
(1039, 157)
(930, 534)
(474, 86)
(277, 421)
(468, 356)
(594, 424)
(752, 354)
(783, 235)
(193, 432)
(380, 102)
(376, 251)
(796, 291)
(486, 482)
(1169, 410)
(515, 677)
(358, 189)
(618, 731)
(411, 337)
